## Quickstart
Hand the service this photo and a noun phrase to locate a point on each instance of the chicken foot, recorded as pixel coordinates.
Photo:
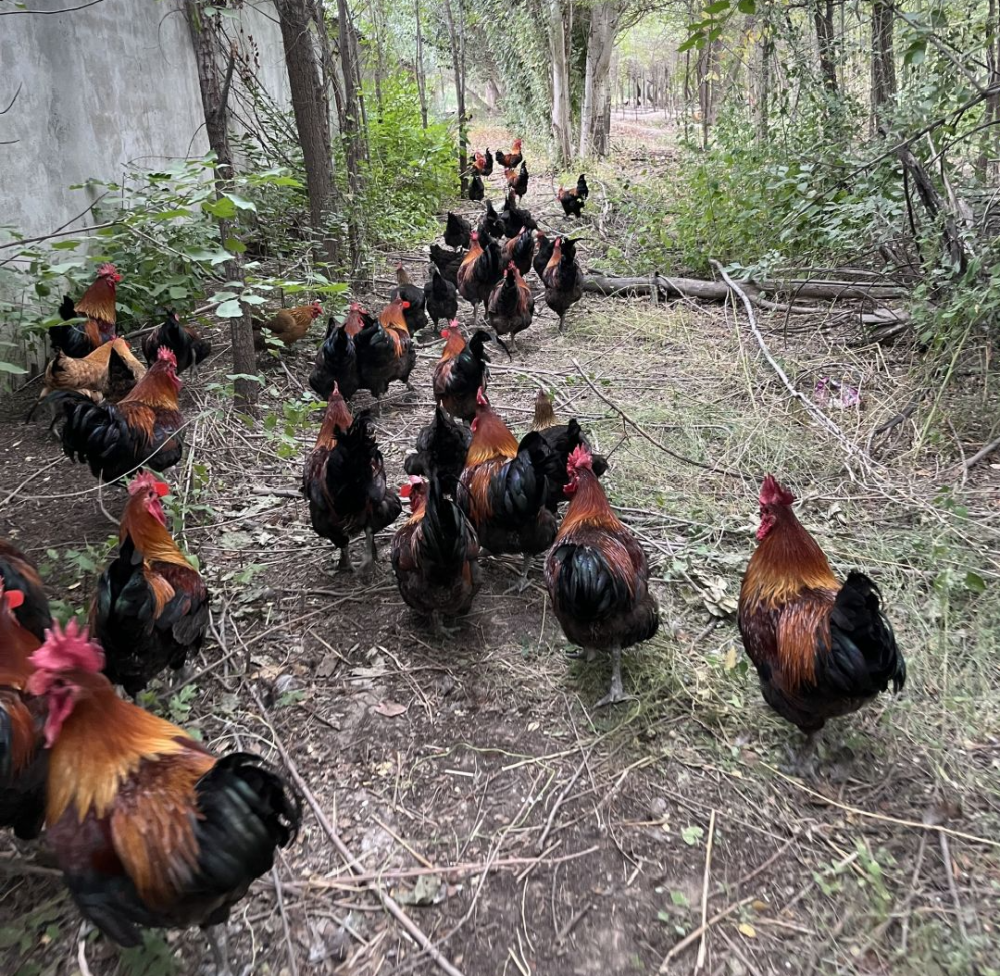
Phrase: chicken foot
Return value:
(522, 583)
(440, 630)
(589, 654)
(345, 565)
(617, 692)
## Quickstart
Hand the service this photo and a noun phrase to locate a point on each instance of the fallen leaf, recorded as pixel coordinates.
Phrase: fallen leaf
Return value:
(390, 709)
(748, 930)
(327, 666)
(730, 661)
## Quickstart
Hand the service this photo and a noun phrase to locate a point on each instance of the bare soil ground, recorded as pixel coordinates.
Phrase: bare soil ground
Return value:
(520, 829)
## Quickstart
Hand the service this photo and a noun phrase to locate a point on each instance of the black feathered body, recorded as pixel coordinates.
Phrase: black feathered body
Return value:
(457, 231)
(515, 219)
(440, 298)
(441, 448)
(457, 381)
(171, 335)
(479, 273)
(545, 245)
(336, 363)
(563, 284)
(491, 223)
(17, 572)
(383, 355)
(511, 306)
(415, 314)
(476, 189)
(447, 262)
(562, 440)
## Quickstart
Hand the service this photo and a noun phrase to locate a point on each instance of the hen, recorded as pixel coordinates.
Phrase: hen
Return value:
(582, 190)
(491, 223)
(515, 219)
(518, 182)
(520, 250)
(336, 364)
(151, 606)
(110, 370)
(545, 247)
(457, 231)
(98, 306)
(17, 572)
(488, 157)
(435, 554)
(822, 649)
(441, 448)
(149, 828)
(476, 189)
(480, 271)
(288, 325)
(511, 306)
(571, 202)
(440, 298)
(563, 279)
(504, 484)
(385, 350)
(413, 311)
(461, 372)
(143, 429)
(447, 262)
(597, 576)
(23, 761)
(183, 341)
(344, 481)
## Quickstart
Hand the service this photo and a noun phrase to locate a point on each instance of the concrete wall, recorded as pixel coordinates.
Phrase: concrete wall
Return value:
(112, 84)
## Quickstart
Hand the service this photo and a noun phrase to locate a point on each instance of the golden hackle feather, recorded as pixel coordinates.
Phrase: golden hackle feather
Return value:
(555, 259)
(392, 321)
(474, 253)
(545, 415)
(98, 302)
(491, 440)
(338, 414)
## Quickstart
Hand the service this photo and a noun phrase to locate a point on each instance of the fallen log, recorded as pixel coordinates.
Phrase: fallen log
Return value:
(716, 291)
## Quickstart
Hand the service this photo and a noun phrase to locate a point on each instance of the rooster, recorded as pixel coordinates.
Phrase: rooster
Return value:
(822, 649)
(110, 370)
(488, 157)
(479, 164)
(476, 189)
(344, 481)
(511, 159)
(144, 429)
(288, 325)
(514, 218)
(151, 605)
(98, 306)
(17, 572)
(520, 250)
(572, 204)
(447, 262)
(562, 440)
(440, 298)
(336, 363)
(511, 306)
(582, 190)
(185, 343)
(150, 829)
(23, 761)
(435, 554)
(461, 372)
(519, 185)
(413, 312)
(441, 448)
(457, 231)
(563, 279)
(491, 223)
(597, 576)
(504, 484)
(480, 271)
(385, 350)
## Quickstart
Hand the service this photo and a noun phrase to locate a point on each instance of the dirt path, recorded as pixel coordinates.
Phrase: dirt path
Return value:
(520, 829)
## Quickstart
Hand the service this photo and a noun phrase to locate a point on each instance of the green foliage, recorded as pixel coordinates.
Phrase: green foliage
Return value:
(409, 173)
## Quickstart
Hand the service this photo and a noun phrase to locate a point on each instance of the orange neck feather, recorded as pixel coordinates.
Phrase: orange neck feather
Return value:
(556, 257)
(149, 536)
(16, 646)
(155, 389)
(454, 345)
(787, 561)
(337, 415)
(475, 251)
(491, 440)
(98, 302)
(103, 742)
(589, 507)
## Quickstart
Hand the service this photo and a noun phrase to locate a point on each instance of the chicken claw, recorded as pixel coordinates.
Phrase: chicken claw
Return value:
(617, 693)
(440, 630)
(588, 654)
(345, 565)
(522, 583)
(371, 554)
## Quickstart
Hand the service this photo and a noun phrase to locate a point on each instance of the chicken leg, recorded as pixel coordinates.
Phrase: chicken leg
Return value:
(216, 935)
(617, 692)
(522, 583)
(370, 557)
(345, 565)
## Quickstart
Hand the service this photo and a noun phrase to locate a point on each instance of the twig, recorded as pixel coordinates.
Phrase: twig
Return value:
(952, 887)
(761, 868)
(540, 844)
(652, 440)
(567, 929)
(399, 840)
(703, 944)
(387, 901)
(292, 964)
(65, 10)
(691, 937)
(939, 828)
(802, 398)
(277, 492)
(979, 455)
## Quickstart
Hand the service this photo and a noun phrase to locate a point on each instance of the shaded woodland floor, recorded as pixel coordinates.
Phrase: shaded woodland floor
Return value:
(521, 830)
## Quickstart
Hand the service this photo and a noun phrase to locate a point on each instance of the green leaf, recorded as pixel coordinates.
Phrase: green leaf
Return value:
(691, 42)
(747, 6)
(691, 835)
(223, 296)
(717, 7)
(242, 202)
(178, 291)
(229, 310)
(234, 245)
(223, 208)
(974, 583)
(65, 245)
(11, 368)
(680, 899)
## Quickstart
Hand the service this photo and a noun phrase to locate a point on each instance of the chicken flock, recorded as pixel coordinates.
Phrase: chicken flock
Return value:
(149, 828)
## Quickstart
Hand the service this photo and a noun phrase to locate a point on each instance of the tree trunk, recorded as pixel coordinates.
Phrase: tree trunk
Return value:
(312, 119)
(823, 17)
(350, 128)
(883, 86)
(991, 136)
(604, 18)
(214, 99)
(421, 79)
(704, 68)
(458, 61)
(562, 133)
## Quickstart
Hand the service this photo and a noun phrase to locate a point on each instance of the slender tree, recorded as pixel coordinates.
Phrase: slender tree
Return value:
(215, 88)
(562, 134)
(458, 61)
(419, 67)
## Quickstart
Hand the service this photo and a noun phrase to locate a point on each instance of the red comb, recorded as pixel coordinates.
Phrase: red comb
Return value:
(481, 398)
(772, 492)
(13, 598)
(168, 355)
